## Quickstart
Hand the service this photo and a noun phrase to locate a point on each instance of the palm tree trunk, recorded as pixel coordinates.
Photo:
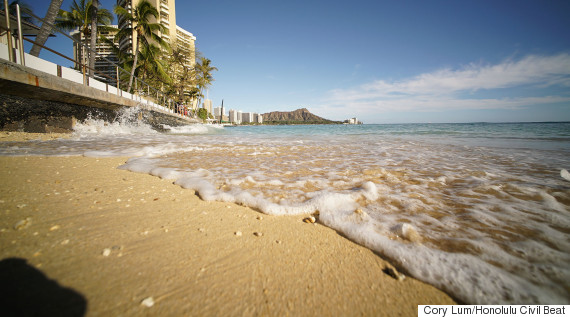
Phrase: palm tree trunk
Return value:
(45, 30)
(134, 65)
(93, 46)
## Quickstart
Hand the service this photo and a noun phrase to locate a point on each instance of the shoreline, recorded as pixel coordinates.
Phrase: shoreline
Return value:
(119, 239)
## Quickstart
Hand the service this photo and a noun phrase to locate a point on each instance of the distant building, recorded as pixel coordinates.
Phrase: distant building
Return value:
(247, 117)
(220, 115)
(235, 116)
(208, 105)
(352, 121)
(239, 117)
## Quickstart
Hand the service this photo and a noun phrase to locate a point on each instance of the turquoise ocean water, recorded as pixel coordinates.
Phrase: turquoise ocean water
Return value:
(479, 210)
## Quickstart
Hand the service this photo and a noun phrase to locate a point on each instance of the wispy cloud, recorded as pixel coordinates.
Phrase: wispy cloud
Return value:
(446, 89)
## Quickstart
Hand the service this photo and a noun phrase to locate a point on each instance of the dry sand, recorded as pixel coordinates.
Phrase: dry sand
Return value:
(77, 234)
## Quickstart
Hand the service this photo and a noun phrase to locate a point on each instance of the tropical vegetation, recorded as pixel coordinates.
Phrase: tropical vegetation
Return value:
(202, 114)
(94, 30)
(140, 23)
(204, 75)
(46, 27)
(179, 73)
(88, 19)
(183, 84)
(163, 65)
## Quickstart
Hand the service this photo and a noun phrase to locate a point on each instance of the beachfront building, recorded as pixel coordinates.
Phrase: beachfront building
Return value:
(239, 115)
(176, 35)
(235, 116)
(247, 117)
(352, 121)
(186, 42)
(220, 115)
(208, 105)
(106, 59)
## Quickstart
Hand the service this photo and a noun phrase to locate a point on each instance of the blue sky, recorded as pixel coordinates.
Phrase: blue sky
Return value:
(385, 61)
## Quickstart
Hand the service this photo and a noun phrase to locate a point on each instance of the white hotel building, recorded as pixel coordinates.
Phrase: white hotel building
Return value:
(235, 116)
(239, 117)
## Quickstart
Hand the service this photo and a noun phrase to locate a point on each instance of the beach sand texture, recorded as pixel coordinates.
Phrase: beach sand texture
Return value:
(133, 244)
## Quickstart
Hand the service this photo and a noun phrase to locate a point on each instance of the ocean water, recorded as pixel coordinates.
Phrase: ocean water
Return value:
(479, 210)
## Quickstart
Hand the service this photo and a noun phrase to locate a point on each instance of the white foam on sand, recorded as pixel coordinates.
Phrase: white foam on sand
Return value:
(564, 174)
(466, 276)
(194, 129)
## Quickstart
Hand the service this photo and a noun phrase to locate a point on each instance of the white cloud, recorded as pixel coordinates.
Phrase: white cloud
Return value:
(440, 89)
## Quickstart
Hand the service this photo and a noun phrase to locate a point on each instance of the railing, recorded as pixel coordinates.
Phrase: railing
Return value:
(153, 98)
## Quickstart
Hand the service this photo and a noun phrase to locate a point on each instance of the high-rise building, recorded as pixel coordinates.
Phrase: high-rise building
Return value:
(106, 58)
(235, 116)
(186, 42)
(167, 17)
(208, 105)
(218, 111)
(247, 117)
(219, 114)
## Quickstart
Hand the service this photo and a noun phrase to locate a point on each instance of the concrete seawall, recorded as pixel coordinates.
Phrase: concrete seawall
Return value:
(34, 101)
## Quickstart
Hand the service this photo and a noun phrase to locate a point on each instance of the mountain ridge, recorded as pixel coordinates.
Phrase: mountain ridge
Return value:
(299, 116)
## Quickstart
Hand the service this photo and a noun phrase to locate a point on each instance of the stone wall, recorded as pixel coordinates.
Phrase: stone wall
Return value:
(43, 116)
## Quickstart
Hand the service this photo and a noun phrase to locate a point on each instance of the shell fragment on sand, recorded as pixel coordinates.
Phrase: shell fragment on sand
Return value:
(23, 224)
(310, 219)
(148, 302)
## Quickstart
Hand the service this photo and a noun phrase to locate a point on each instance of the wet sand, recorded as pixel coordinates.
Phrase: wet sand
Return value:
(25, 136)
(113, 242)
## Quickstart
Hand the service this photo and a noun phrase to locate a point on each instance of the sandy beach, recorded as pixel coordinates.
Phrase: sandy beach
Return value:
(80, 236)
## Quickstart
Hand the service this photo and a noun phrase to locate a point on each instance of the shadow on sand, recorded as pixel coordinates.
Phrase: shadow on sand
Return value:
(26, 291)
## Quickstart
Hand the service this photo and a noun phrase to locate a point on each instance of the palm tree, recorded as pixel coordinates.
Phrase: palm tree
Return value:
(140, 23)
(93, 44)
(150, 64)
(80, 17)
(46, 27)
(205, 78)
(183, 84)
